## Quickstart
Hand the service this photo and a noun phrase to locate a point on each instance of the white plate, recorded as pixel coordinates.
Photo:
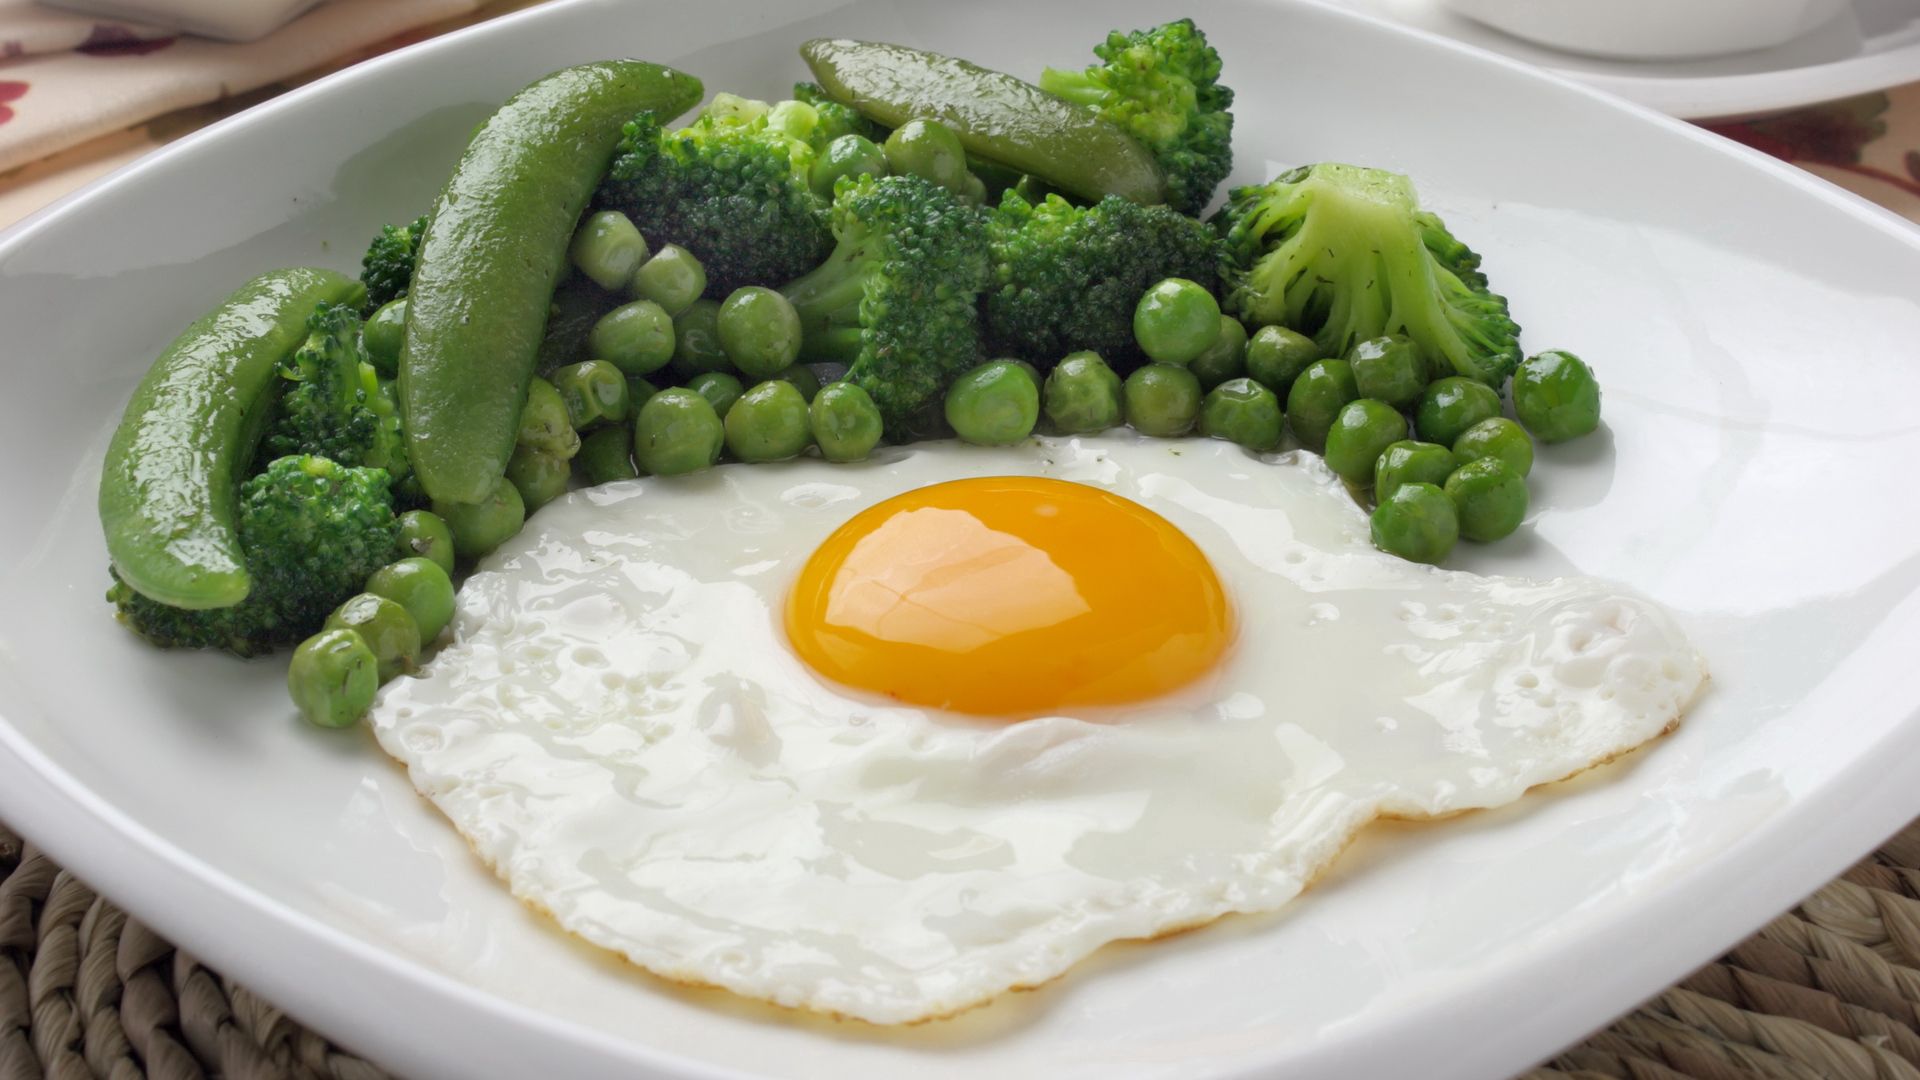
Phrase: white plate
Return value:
(1753, 328)
(1875, 46)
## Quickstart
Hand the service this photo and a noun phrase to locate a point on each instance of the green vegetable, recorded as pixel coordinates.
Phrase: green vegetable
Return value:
(382, 336)
(1242, 411)
(606, 456)
(995, 404)
(1388, 368)
(310, 531)
(768, 423)
(1345, 254)
(425, 534)
(387, 267)
(1163, 86)
(1226, 358)
(1063, 278)
(834, 119)
(494, 250)
(996, 116)
(677, 432)
(1176, 320)
(1316, 397)
(336, 405)
(1490, 498)
(673, 278)
(931, 151)
(595, 393)
(608, 249)
(188, 435)
(1276, 356)
(1409, 462)
(1556, 396)
(1500, 438)
(759, 330)
(1163, 400)
(696, 340)
(576, 308)
(1361, 432)
(719, 388)
(896, 301)
(386, 628)
(850, 156)
(1416, 522)
(845, 421)
(539, 477)
(544, 422)
(1450, 406)
(635, 337)
(802, 378)
(333, 677)
(422, 587)
(479, 527)
(1083, 395)
(638, 391)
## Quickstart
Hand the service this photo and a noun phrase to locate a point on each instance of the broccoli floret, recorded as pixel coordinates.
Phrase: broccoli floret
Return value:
(1162, 86)
(336, 405)
(1345, 253)
(730, 188)
(835, 119)
(311, 531)
(387, 267)
(1063, 277)
(897, 301)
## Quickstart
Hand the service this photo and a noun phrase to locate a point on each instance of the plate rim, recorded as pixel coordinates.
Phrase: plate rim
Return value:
(159, 883)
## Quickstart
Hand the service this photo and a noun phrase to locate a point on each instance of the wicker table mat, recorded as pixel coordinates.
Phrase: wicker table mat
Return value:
(1828, 991)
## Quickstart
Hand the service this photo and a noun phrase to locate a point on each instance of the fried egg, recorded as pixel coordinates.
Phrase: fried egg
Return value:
(887, 740)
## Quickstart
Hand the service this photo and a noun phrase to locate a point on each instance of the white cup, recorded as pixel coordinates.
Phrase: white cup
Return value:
(1653, 29)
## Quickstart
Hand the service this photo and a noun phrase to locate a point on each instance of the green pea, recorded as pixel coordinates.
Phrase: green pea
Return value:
(607, 248)
(1490, 498)
(974, 191)
(719, 388)
(1556, 396)
(768, 423)
(425, 533)
(794, 119)
(930, 150)
(1242, 411)
(333, 677)
(1361, 432)
(759, 330)
(385, 331)
(673, 278)
(846, 423)
(1175, 321)
(544, 422)
(606, 456)
(802, 378)
(386, 628)
(696, 340)
(1083, 395)
(1417, 522)
(1409, 462)
(1226, 358)
(636, 336)
(480, 527)
(1163, 400)
(595, 393)
(638, 391)
(995, 404)
(1498, 438)
(677, 432)
(1316, 397)
(538, 476)
(1451, 405)
(1388, 368)
(850, 156)
(420, 586)
(1276, 356)
(1031, 372)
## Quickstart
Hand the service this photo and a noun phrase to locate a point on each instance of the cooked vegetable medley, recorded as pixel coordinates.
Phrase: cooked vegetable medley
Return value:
(911, 246)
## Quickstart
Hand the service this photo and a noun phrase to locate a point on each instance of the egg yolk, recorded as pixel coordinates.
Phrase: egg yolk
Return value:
(1009, 596)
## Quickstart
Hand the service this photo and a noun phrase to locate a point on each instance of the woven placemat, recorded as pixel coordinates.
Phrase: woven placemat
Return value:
(1828, 991)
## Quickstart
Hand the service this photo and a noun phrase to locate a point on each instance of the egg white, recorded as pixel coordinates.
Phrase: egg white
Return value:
(621, 731)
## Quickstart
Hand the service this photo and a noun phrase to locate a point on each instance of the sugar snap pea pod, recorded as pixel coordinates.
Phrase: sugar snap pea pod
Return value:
(998, 117)
(173, 469)
(495, 246)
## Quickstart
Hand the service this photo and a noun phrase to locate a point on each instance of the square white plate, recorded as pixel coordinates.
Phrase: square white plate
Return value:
(1754, 331)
